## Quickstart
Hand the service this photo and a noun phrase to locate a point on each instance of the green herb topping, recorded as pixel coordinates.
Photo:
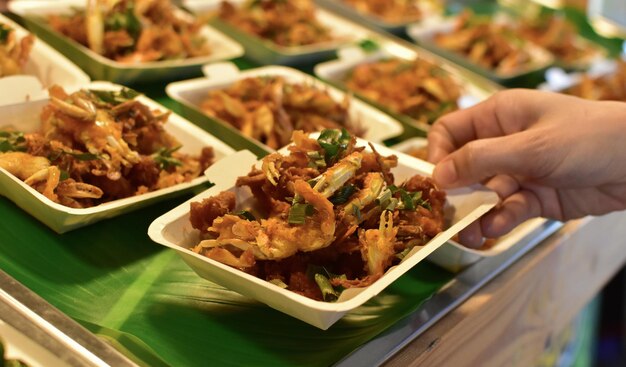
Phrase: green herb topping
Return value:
(12, 141)
(163, 157)
(334, 142)
(115, 97)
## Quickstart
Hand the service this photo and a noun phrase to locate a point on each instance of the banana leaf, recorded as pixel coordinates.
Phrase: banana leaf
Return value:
(151, 306)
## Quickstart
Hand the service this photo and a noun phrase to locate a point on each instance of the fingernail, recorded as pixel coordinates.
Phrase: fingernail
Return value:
(445, 172)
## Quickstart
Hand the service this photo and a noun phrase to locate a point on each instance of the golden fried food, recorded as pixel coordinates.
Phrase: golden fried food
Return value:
(392, 11)
(97, 146)
(14, 53)
(494, 46)
(134, 31)
(416, 88)
(611, 87)
(285, 23)
(269, 109)
(557, 35)
(421, 153)
(328, 217)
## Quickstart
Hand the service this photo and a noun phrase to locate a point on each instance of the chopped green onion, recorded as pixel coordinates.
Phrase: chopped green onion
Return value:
(329, 294)
(342, 195)
(163, 157)
(64, 175)
(407, 200)
(279, 283)
(245, 215)
(334, 142)
(124, 20)
(369, 46)
(410, 200)
(5, 30)
(316, 160)
(115, 97)
(12, 141)
(298, 213)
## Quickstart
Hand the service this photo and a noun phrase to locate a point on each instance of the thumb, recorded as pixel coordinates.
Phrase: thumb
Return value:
(517, 154)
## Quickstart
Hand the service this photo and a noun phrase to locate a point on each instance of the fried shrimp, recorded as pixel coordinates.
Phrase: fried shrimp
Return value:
(327, 217)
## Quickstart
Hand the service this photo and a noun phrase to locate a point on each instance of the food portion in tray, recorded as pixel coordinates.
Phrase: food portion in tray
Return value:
(94, 146)
(417, 88)
(391, 11)
(328, 216)
(560, 37)
(134, 31)
(611, 86)
(493, 45)
(269, 109)
(284, 23)
(14, 51)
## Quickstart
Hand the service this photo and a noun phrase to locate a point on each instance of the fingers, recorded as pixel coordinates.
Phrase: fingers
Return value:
(521, 154)
(504, 113)
(515, 210)
(472, 235)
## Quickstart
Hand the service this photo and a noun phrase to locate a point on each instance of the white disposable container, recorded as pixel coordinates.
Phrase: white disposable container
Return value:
(455, 257)
(558, 79)
(100, 67)
(190, 93)
(174, 230)
(335, 71)
(428, 9)
(60, 218)
(423, 33)
(266, 52)
(46, 64)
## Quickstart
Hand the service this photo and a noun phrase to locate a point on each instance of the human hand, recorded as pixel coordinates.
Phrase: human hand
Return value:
(545, 154)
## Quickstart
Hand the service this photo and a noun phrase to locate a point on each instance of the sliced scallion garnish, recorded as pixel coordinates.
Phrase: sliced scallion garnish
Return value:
(298, 213)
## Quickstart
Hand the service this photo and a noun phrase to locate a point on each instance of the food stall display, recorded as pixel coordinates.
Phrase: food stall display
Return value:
(287, 213)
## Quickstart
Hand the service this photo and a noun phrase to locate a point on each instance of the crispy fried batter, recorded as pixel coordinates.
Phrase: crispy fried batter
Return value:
(269, 109)
(285, 23)
(338, 216)
(92, 148)
(203, 213)
(134, 31)
(417, 88)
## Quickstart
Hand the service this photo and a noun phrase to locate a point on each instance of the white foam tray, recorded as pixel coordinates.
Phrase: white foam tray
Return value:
(266, 52)
(190, 93)
(336, 71)
(174, 230)
(423, 33)
(25, 117)
(102, 68)
(46, 65)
